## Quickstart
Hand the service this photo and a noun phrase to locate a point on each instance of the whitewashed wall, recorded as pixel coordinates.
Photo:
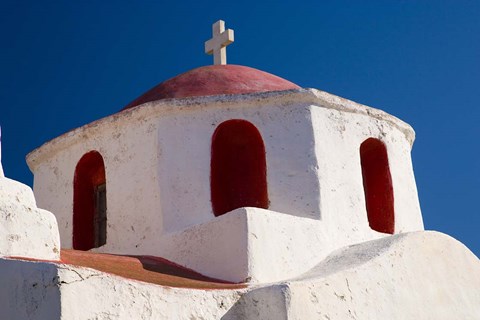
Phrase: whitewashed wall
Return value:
(128, 150)
(25, 230)
(184, 169)
(338, 136)
(390, 278)
(157, 159)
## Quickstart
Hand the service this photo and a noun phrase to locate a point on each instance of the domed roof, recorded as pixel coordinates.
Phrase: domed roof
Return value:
(215, 80)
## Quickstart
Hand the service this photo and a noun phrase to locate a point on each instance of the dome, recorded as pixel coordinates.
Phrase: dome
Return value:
(215, 80)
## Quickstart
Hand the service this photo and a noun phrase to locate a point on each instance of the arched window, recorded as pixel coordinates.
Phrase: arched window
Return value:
(238, 167)
(89, 203)
(377, 184)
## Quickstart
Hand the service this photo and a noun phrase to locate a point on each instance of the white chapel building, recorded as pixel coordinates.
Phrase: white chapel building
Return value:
(229, 193)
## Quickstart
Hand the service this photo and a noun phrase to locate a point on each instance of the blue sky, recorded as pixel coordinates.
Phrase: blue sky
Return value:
(66, 63)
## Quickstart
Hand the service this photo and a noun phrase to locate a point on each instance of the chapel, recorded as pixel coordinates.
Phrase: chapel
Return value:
(227, 192)
(203, 159)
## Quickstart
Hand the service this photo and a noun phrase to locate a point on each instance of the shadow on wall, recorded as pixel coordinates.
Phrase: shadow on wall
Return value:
(266, 303)
(150, 269)
(29, 290)
(164, 266)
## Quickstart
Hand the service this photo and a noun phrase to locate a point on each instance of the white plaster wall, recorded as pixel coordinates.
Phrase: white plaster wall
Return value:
(254, 245)
(420, 275)
(408, 215)
(338, 136)
(157, 159)
(139, 196)
(217, 248)
(28, 290)
(128, 148)
(268, 302)
(25, 230)
(281, 246)
(133, 209)
(185, 142)
(244, 244)
(45, 291)
(53, 188)
(112, 297)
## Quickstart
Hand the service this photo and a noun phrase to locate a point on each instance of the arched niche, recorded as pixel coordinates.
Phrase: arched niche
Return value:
(238, 167)
(377, 184)
(89, 203)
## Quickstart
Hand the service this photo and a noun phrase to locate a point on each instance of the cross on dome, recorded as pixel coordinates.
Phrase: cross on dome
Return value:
(217, 44)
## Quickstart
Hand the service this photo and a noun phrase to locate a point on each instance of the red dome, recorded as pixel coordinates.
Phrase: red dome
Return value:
(215, 80)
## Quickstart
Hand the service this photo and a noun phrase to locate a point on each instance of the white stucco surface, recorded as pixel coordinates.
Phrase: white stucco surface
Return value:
(130, 165)
(111, 297)
(29, 290)
(242, 245)
(40, 291)
(420, 275)
(157, 162)
(25, 230)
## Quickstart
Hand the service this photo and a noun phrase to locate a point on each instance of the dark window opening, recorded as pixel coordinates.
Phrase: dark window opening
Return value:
(100, 216)
(238, 167)
(89, 203)
(377, 184)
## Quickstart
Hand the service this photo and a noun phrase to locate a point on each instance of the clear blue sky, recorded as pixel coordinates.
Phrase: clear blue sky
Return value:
(66, 63)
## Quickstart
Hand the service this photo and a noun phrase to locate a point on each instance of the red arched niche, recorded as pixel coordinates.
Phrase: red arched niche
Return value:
(238, 167)
(89, 203)
(377, 184)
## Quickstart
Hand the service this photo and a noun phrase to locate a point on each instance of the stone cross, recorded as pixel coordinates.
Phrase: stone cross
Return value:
(217, 45)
